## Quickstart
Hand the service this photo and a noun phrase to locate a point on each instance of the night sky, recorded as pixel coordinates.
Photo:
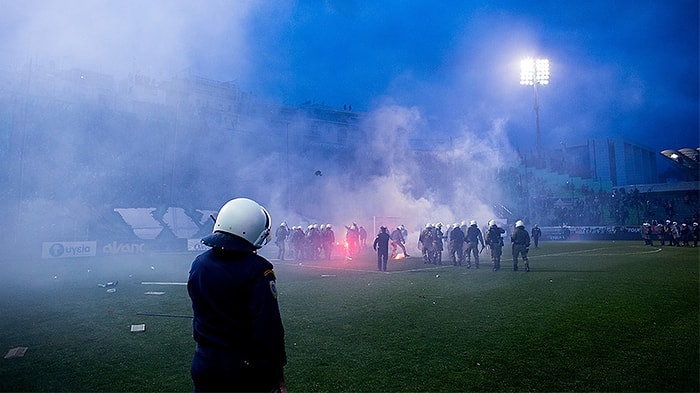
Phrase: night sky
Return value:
(618, 68)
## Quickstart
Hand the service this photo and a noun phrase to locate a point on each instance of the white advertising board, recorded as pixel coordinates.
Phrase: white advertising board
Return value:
(52, 250)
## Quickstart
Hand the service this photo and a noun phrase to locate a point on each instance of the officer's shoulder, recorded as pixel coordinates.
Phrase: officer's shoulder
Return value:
(262, 262)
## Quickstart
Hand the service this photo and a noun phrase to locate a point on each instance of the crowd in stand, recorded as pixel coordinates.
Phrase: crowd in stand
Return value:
(581, 205)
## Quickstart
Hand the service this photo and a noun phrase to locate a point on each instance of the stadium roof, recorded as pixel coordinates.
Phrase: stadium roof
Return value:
(686, 157)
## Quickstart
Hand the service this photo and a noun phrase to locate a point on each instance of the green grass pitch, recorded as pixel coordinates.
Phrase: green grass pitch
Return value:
(590, 316)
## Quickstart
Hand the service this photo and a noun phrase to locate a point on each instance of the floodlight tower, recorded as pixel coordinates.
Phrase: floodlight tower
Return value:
(535, 72)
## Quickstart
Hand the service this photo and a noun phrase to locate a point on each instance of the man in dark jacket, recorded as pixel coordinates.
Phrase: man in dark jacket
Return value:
(495, 242)
(474, 238)
(381, 246)
(457, 245)
(536, 234)
(237, 324)
(521, 245)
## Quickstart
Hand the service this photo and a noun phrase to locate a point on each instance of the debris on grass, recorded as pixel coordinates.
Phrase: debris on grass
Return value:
(110, 284)
(17, 352)
(138, 328)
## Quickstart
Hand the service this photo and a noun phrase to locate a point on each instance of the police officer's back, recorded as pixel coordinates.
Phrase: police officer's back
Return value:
(237, 324)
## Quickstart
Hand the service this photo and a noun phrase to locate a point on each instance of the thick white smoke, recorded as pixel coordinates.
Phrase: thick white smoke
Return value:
(403, 173)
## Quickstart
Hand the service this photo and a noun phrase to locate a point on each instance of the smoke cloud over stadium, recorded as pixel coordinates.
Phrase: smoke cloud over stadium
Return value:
(445, 92)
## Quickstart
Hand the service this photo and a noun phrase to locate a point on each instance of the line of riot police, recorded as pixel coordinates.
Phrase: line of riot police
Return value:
(313, 243)
(466, 242)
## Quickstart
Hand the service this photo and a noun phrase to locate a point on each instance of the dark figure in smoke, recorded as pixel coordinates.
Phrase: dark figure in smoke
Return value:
(381, 246)
(438, 243)
(281, 235)
(328, 239)
(426, 243)
(352, 237)
(474, 238)
(237, 324)
(298, 242)
(397, 241)
(313, 242)
(696, 234)
(456, 245)
(448, 236)
(536, 234)
(495, 242)
(520, 240)
(363, 237)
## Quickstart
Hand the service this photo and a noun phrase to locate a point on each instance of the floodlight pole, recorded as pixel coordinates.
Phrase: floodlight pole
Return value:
(537, 120)
(534, 72)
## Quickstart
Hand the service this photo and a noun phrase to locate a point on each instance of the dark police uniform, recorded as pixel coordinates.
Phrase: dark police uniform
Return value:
(473, 238)
(381, 246)
(237, 324)
(457, 246)
(495, 242)
(521, 243)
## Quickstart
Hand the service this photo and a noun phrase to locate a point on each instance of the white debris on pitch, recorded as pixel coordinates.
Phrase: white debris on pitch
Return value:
(138, 328)
(17, 352)
(111, 286)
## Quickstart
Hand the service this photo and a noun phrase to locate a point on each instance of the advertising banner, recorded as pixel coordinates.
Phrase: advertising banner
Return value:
(52, 250)
(116, 247)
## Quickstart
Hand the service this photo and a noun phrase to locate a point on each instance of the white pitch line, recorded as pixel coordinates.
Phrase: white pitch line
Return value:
(162, 283)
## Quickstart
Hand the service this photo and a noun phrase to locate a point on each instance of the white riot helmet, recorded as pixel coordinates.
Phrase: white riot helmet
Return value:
(472, 223)
(519, 223)
(492, 223)
(241, 217)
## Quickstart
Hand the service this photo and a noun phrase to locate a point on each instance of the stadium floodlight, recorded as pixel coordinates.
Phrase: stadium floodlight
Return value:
(535, 72)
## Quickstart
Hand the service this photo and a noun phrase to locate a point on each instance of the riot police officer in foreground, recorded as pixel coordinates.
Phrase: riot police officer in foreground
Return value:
(237, 324)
